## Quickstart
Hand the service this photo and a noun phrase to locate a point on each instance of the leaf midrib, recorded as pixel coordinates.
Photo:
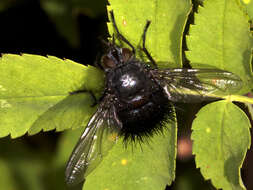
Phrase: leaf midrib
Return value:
(27, 97)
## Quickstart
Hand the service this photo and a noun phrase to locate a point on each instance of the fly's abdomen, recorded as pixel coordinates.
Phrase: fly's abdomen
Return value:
(142, 119)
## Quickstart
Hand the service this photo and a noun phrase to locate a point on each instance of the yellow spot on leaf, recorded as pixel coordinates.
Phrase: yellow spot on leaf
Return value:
(4, 104)
(124, 22)
(144, 178)
(113, 137)
(124, 162)
(246, 1)
(2, 88)
(208, 130)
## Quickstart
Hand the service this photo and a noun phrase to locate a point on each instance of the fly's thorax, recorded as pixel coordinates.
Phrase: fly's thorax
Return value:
(130, 82)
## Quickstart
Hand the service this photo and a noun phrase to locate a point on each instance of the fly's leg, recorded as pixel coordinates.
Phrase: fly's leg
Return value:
(119, 35)
(144, 47)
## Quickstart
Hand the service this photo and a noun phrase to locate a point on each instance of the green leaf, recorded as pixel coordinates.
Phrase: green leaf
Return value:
(164, 36)
(65, 146)
(220, 37)
(221, 138)
(7, 181)
(28, 172)
(34, 89)
(89, 8)
(71, 112)
(26, 166)
(149, 165)
(61, 13)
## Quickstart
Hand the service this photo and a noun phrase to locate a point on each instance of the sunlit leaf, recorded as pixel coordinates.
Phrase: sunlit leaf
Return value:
(150, 165)
(220, 37)
(35, 91)
(164, 36)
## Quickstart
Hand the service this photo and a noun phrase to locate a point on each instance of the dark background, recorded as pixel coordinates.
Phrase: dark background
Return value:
(26, 28)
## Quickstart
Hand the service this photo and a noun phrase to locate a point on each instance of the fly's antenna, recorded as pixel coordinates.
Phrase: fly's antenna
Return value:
(119, 35)
(144, 43)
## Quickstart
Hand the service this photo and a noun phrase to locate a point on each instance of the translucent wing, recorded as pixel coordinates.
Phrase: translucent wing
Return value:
(97, 139)
(193, 85)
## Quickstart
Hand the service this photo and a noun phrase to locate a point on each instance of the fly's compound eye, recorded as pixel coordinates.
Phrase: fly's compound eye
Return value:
(107, 62)
(126, 54)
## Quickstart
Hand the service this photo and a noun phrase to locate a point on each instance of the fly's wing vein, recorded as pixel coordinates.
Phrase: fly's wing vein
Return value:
(193, 85)
(97, 139)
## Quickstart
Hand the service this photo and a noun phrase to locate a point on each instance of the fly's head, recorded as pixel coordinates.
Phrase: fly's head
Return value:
(116, 57)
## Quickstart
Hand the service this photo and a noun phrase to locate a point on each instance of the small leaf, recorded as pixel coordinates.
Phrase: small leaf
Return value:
(149, 165)
(221, 138)
(33, 87)
(221, 37)
(164, 36)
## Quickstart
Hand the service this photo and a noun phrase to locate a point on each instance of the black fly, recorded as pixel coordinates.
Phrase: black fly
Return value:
(137, 98)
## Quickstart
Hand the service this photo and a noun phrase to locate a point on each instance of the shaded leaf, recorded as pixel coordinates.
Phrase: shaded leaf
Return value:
(24, 173)
(61, 13)
(7, 181)
(90, 8)
(6, 4)
(221, 138)
(65, 13)
(65, 146)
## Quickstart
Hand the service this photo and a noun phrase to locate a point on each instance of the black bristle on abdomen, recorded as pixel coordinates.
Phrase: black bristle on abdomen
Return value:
(150, 119)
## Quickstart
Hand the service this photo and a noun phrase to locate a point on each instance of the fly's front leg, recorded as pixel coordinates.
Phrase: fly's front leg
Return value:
(144, 45)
